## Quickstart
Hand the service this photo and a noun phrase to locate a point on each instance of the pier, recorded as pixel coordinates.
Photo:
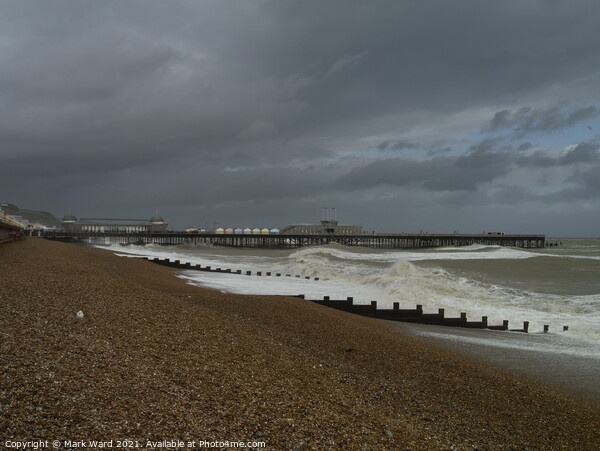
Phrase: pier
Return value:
(377, 241)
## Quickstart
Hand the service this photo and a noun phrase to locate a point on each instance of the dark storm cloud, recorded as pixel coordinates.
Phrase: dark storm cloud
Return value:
(219, 103)
(482, 163)
(439, 151)
(462, 173)
(591, 179)
(525, 146)
(397, 145)
(529, 120)
(582, 153)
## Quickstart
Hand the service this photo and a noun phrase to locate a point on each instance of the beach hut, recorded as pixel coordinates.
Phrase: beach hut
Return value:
(247, 231)
(264, 231)
(237, 231)
(228, 231)
(274, 231)
(220, 231)
(256, 231)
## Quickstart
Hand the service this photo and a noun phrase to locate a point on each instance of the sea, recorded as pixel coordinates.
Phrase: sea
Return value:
(558, 286)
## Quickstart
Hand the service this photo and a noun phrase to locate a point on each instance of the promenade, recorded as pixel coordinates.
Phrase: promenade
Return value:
(9, 227)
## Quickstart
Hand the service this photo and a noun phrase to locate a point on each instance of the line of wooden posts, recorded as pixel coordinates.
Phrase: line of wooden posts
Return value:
(415, 315)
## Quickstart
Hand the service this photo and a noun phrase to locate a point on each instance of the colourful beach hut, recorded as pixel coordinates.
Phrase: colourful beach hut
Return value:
(264, 231)
(247, 231)
(228, 231)
(274, 231)
(256, 231)
(237, 231)
(220, 231)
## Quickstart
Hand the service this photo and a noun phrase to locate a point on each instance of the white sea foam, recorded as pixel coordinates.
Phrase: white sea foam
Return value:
(551, 346)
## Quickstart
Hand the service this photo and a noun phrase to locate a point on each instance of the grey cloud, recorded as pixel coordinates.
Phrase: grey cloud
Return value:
(481, 155)
(525, 146)
(436, 174)
(590, 179)
(582, 153)
(508, 195)
(344, 63)
(528, 120)
(397, 145)
(438, 151)
(483, 163)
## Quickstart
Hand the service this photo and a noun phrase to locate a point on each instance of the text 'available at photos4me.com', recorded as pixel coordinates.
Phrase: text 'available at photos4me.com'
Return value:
(131, 444)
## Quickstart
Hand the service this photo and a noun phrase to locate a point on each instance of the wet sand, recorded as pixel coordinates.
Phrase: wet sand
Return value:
(537, 356)
(156, 359)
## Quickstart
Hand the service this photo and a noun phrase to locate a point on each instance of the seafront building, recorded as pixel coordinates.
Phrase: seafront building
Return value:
(327, 227)
(9, 227)
(155, 224)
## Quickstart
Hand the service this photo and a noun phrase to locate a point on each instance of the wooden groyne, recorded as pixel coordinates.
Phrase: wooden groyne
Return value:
(416, 315)
(177, 264)
(378, 241)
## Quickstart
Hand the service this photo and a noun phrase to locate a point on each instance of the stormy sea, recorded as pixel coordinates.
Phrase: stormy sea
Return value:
(555, 286)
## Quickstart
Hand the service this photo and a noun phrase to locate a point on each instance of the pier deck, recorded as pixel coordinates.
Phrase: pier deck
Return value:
(381, 241)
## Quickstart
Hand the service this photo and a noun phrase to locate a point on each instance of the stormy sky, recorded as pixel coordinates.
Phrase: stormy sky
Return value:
(404, 115)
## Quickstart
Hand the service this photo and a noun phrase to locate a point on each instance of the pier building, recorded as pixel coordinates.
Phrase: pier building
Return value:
(71, 224)
(327, 227)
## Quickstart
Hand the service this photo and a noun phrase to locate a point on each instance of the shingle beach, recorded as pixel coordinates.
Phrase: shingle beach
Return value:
(156, 359)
